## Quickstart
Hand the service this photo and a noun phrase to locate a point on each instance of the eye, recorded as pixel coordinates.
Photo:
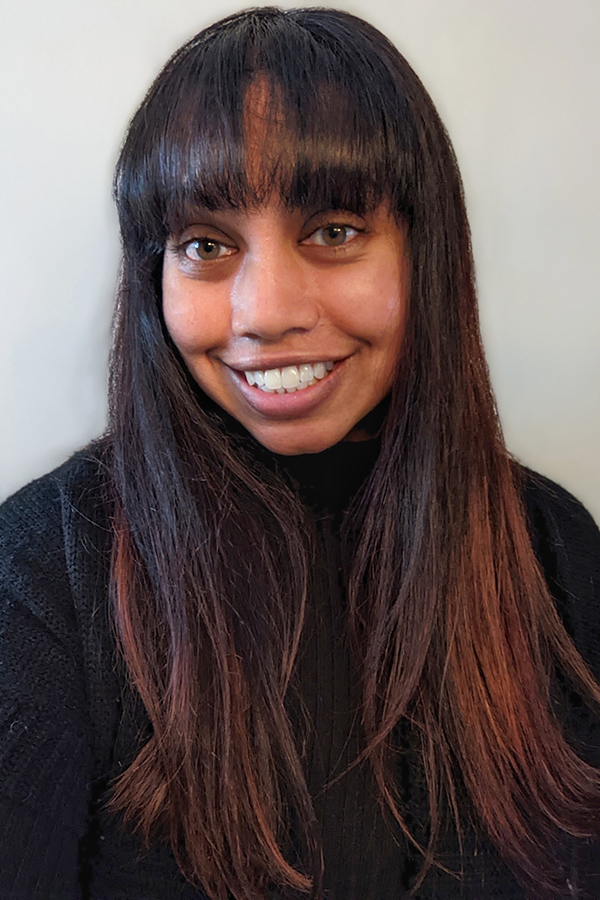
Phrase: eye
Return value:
(332, 235)
(205, 249)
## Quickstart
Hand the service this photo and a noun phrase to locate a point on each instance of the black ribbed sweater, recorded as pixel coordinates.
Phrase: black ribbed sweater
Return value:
(69, 722)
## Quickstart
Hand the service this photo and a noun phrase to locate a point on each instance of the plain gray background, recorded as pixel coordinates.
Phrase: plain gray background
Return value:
(517, 84)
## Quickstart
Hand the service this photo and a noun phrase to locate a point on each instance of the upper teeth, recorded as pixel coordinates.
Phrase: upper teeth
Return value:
(289, 378)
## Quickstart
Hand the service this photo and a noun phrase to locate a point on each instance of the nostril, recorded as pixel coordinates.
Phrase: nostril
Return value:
(271, 325)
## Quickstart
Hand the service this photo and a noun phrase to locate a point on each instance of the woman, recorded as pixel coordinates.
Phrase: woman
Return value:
(347, 645)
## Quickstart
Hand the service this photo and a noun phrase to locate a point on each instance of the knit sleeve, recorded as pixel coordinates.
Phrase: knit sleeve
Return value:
(45, 755)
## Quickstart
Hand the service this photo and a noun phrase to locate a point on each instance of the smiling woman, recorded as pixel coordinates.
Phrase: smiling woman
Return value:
(291, 321)
(297, 625)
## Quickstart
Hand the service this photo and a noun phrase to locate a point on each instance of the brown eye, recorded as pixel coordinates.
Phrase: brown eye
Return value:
(203, 248)
(332, 235)
(335, 235)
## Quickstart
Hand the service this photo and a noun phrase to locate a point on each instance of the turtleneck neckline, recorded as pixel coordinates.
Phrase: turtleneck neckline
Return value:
(327, 481)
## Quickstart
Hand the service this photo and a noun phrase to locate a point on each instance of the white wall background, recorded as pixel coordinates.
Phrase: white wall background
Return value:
(517, 83)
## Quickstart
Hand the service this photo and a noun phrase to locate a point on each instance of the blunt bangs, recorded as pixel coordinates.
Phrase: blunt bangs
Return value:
(271, 102)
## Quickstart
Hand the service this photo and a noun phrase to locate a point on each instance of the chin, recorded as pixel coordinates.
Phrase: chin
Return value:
(297, 444)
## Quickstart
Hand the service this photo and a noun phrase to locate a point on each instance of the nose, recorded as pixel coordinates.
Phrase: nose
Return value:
(272, 296)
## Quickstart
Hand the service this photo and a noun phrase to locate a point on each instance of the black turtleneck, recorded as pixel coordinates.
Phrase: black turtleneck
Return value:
(327, 481)
(363, 860)
(69, 723)
(366, 856)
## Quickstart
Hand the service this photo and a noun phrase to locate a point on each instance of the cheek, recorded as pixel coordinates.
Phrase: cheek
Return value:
(372, 306)
(195, 319)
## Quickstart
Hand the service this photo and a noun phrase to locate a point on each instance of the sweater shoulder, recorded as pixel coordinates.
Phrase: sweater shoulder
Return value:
(561, 527)
(546, 499)
(37, 507)
(36, 510)
(43, 526)
(566, 541)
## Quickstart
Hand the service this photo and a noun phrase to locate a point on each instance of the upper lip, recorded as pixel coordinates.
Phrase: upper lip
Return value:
(280, 362)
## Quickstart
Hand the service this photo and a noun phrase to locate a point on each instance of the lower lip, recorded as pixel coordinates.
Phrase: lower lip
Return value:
(287, 406)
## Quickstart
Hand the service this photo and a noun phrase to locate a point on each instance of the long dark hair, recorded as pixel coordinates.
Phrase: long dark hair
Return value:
(450, 618)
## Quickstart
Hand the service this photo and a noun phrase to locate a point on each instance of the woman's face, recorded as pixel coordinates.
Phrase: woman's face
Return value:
(291, 322)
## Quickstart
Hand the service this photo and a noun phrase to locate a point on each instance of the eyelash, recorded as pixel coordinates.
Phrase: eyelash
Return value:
(183, 248)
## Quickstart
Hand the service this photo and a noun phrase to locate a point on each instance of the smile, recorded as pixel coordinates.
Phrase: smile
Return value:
(290, 400)
(288, 379)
